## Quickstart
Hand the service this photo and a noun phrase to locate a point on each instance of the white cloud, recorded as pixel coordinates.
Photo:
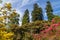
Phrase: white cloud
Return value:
(45, 16)
(24, 2)
(27, 2)
(21, 3)
(11, 1)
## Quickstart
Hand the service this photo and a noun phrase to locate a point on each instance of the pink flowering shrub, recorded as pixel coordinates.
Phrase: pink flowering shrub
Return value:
(49, 31)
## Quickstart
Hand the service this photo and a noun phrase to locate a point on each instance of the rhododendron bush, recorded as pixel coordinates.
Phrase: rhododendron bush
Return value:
(50, 32)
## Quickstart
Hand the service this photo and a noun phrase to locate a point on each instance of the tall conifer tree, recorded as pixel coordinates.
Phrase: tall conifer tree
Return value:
(25, 17)
(49, 11)
(37, 13)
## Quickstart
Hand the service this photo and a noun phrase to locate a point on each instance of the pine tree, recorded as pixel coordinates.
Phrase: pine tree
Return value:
(25, 17)
(49, 11)
(37, 13)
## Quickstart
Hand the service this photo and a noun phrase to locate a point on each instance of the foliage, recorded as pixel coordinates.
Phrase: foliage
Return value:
(25, 17)
(26, 31)
(39, 29)
(37, 13)
(4, 35)
(51, 32)
(8, 15)
(14, 18)
(49, 11)
(8, 18)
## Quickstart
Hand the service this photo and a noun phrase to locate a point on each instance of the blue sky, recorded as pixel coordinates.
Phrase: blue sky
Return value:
(22, 5)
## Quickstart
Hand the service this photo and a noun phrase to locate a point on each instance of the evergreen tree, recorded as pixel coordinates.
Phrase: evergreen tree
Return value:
(37, 13)
(49, 11)
(25, 17)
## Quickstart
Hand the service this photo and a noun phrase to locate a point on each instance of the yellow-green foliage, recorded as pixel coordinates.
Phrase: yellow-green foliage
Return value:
(4, 35)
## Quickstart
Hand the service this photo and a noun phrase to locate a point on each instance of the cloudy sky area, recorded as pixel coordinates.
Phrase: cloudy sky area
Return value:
(22, 5)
